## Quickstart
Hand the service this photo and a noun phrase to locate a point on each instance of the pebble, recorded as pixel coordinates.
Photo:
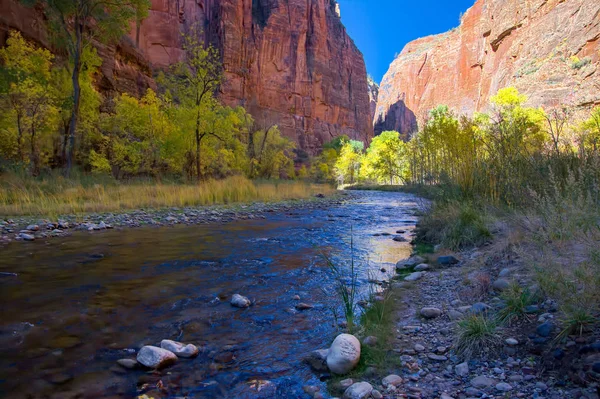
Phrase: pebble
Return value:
(482, 382)
(544, 330)
(430, 312)
(500, 284)
(512, 342)
(391, 380)
(304, 306)
(447, 260)
(419, 348)
(359, 390)
(504, 387)
(414, 276)
(179, 349)
(462, 369)
(422, 267)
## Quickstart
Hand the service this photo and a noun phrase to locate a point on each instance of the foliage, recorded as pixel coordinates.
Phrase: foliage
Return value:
(455, 225)
(71, 25)
(384, 161)
(271, 155)
(26, 75)
(347, 166)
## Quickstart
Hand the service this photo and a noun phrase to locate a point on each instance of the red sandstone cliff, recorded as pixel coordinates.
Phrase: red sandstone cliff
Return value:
(289, 62)
(528, 44)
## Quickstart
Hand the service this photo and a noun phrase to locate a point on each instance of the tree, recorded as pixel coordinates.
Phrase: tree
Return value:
(272, 154)
(27, 75)
(192, 83)
(590, 133)
(347, 166)
(385, 160)
(76, 24)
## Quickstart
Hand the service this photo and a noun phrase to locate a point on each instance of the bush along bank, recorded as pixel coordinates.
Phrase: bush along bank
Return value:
(493, 303)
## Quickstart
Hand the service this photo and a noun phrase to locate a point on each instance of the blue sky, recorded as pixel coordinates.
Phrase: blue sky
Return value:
(381, 28)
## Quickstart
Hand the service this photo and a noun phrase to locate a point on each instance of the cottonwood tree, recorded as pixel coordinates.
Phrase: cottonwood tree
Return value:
(385, 160)
(347, 167)
(26, 76)
(192, 84)
(76, 25)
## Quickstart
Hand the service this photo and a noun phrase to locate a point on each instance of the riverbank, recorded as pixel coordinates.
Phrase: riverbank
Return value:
(513, 316)
(265, 197)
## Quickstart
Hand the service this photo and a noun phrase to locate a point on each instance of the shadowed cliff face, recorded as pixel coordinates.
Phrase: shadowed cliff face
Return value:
(499, 43)
(289, 62)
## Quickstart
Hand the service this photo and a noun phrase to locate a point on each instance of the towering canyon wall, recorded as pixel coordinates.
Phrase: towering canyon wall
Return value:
(548, 49)
(288, 62)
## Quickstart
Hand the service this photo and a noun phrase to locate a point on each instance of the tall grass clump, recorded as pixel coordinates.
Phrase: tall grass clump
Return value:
(516, 300)
(476, 334)
(54, 195)
(346, 283)
(454, 224)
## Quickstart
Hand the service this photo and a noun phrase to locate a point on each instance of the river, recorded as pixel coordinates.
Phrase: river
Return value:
(77, 304)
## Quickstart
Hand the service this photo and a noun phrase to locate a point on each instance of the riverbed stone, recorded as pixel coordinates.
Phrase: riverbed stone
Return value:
(304, 306)
(544, 330)
(448, 260)
(128, 363)
(422, 267)
(391, 380)
(410, 262)
(344, 354)
(504, 387)
(370, 341)
(430, 312)
(27, 237)
(462, 369)
(511, 342)
(479, 308)
(414, 276)
(179, 349)
(317, 359)
(155, 357)
(501, 284)
(240, 301)
(359, 390)
(482, 382)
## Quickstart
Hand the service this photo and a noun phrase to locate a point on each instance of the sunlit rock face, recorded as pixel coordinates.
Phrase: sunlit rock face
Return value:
(547, 49)
(289, 62)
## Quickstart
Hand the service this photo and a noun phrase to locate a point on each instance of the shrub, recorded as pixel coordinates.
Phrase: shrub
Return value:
(455, 225)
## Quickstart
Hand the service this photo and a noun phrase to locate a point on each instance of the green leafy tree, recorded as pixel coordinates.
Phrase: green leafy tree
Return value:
(385, 160)
(26, 77)
(192, 84)
(348, 164)
(76, 25)
(272, 154)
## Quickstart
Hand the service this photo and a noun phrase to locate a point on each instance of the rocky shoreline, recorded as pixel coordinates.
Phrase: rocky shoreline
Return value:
(26, 229)
(438, 291)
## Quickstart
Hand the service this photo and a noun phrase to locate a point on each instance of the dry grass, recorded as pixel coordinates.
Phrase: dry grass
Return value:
(56, 196)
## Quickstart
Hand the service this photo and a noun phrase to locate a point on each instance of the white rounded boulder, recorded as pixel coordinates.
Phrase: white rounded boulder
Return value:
(344, 354)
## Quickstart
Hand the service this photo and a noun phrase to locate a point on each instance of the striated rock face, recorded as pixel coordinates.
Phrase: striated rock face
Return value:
(530, 45)
(289, 62)
(373, 94)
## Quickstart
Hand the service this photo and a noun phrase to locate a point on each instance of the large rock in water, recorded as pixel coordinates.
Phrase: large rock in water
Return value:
(344, 354)
(499, 43)
(289, 63)
(240, 301)
(156, 358)
(179, 349)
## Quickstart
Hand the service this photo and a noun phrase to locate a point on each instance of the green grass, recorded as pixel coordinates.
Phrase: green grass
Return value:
(577, 322)
(55, 195)
(516, 300)
(454, 224)
(475, 335)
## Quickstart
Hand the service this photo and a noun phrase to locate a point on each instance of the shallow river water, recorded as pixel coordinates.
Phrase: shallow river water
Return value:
(80, 303)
